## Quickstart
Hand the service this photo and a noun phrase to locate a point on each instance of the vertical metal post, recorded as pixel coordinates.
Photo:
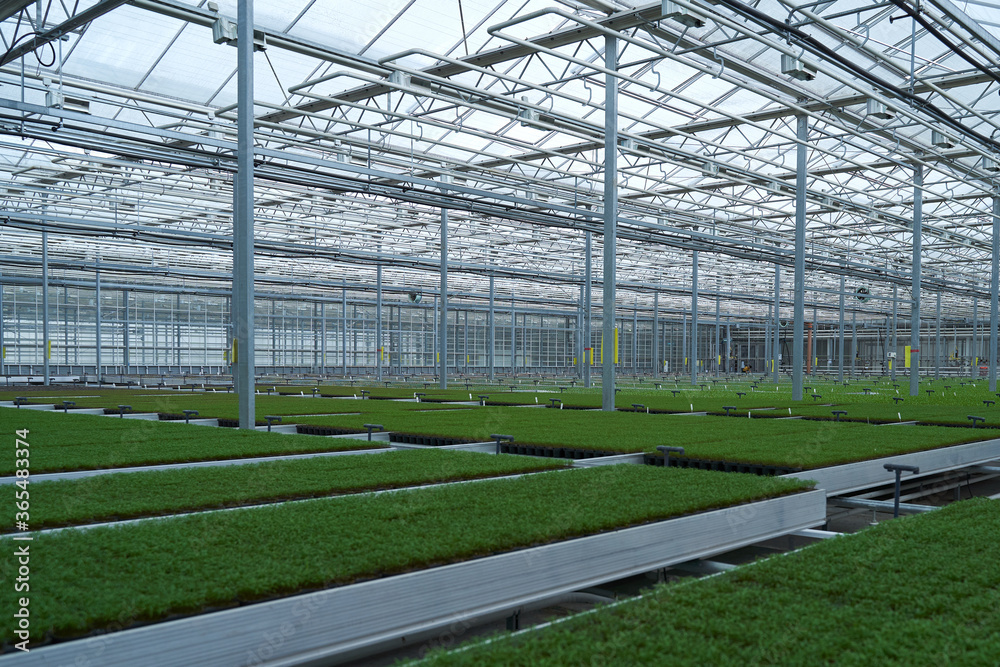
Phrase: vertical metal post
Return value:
(937, 341)
(694, 317)
(718, 352)
(46, 343)
(3, 340)
(513, 336)
(854, 339)
(492, 333)
(610, 219)
(684, 338)
(814, 350)
(975, 334)
(656, 338)
(176, 314)
(840, 335)
(729, 342)
(587, 334)
(767, 335)
(776, 344)
(895, 304)
(443, 321)
(465, 338)
(802, 130)
(994, 288)
(399, 340)
(434, 335)
(578, 349)
(635, 338)
(243, 287)
(918, 213)
(343, 330)
(97, 323)
(322, 341)
(378, 322)
(126, 342)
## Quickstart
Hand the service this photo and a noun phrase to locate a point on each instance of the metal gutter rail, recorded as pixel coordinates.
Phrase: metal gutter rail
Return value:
(354, 621)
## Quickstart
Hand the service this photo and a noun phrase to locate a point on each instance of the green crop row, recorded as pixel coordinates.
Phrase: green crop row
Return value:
(116, 497)
(923, 590)
(221, 405)
(791, 443)
(82, 442)
(182, 565)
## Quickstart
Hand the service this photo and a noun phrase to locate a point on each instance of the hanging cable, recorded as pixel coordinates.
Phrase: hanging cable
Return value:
(17, 40)
(815, 46)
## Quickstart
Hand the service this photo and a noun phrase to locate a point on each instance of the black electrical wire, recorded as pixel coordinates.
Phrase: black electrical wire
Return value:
(815, 46)
(958, 50)
(37, 56)
(17, 40)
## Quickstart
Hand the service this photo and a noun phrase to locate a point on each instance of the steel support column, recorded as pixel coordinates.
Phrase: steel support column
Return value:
(578, 346)
(635, 338)
(610, 219)
(322, 340)
(937, 340)
(378, 322)
(443, 321)
(854, 341)
(243, 287)
(97, 324)
(694, 317)
(343, 331)
(125, 333)
(588, 338)
(918, 213)
(3, 340)
(656, 338)
(776, 344)
(994, 288)
(840, 336)
(802, 134)
(492, 332)
(684, 339)
(46, 343)
(718, 351)
(895, 304)
(975, 335)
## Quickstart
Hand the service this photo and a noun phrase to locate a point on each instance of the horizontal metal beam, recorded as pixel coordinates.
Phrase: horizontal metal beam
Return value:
(67, 26)
(295, 168)
(880, 505)
(10, 7)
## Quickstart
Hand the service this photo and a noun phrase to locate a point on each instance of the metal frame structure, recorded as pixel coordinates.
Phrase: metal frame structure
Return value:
(844, 140)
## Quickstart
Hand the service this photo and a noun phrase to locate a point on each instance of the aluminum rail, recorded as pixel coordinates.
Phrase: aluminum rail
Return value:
(881, 505)
(351, 622)
(850, 477)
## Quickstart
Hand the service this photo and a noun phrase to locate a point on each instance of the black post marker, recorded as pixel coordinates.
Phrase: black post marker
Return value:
(666, 453)
(899, 469)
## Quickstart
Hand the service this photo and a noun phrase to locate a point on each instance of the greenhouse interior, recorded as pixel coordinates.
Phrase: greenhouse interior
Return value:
(472, 294)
